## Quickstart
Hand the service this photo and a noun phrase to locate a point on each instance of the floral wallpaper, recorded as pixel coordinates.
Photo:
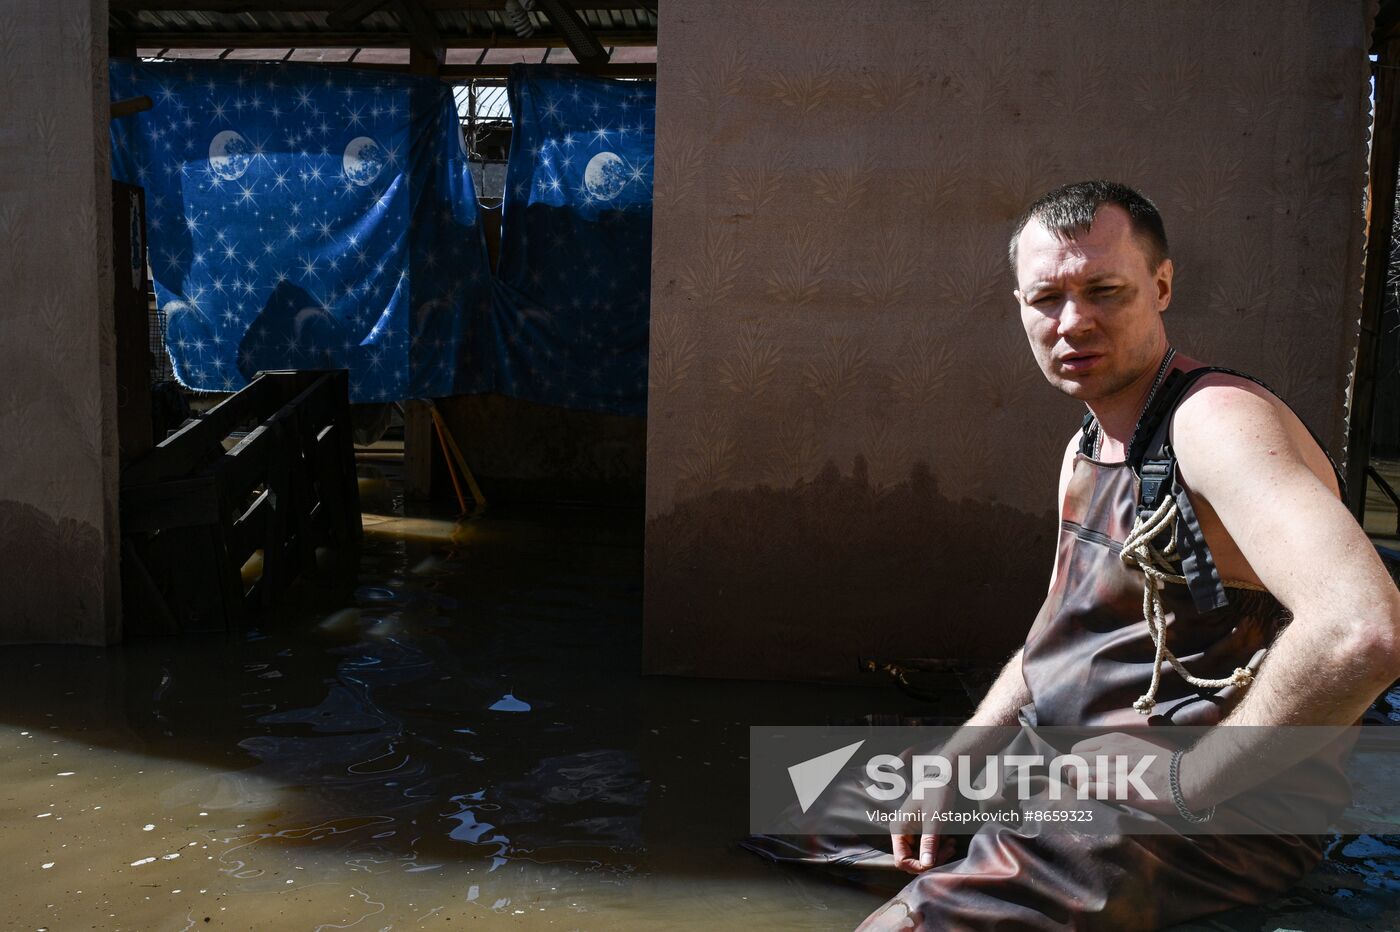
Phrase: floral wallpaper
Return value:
(851, 453)
(58, 475)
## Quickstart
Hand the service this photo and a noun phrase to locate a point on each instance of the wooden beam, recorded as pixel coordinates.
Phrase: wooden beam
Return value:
(201, 439)
(426, 51)
(1387, 25)
(257, 39)
(1385, 160)
(566, 21)
(130, 105)
(417, 450)
(231, 7)
(458, 73)
(347, 16)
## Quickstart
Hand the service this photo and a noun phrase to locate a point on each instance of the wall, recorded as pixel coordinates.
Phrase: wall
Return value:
(851, 453)
(522, 451)
(58, 475)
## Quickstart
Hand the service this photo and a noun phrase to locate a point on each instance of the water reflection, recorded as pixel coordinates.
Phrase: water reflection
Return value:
(464, 735)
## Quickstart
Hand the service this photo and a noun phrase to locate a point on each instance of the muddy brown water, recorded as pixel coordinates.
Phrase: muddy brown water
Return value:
(460, 739)
(464, 738)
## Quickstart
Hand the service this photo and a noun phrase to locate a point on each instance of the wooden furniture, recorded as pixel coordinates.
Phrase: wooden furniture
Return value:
(205, 503)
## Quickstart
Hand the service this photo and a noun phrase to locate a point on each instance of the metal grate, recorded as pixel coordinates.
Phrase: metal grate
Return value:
(161, 370)
(484, 110)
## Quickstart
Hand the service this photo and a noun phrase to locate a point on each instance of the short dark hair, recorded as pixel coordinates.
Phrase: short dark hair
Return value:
(1070, 209)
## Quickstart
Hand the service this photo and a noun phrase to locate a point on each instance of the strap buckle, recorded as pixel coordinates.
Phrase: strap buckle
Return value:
(1155, 480)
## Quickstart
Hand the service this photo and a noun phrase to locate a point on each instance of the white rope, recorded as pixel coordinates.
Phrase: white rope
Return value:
(1158, 570)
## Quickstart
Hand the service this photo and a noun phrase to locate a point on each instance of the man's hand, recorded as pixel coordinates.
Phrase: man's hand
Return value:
(913, 853)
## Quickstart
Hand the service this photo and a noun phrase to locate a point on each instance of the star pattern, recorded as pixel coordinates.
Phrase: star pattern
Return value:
(286, 232)
(576, 241)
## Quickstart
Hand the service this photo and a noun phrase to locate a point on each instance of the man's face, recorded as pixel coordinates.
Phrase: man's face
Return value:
(1092, 306)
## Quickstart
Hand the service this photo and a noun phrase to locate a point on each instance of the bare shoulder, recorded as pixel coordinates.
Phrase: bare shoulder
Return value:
(1228, 424)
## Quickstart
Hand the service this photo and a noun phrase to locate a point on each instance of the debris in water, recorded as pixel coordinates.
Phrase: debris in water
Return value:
(508, 703)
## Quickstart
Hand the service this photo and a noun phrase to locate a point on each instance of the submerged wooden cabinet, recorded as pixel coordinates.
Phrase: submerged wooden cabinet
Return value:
(205, 502)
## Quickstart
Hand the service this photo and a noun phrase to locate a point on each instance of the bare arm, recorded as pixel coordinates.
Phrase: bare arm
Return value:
(1004, 700)
(1342, 647)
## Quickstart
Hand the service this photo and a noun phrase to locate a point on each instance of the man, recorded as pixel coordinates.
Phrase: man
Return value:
(1129, 638)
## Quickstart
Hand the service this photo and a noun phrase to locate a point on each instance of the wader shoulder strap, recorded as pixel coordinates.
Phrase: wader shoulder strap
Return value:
(1087, 432)
(1152, 458)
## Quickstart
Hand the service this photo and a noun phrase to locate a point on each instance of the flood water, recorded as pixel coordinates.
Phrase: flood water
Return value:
(461, 738)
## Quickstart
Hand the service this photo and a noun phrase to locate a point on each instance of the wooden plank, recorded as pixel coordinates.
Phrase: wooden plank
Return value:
(177, 503)
(249, 531)
(260, 39)
(287, 539)
(192, 567)
(146, 609)
(352, 528)
(456, 453)
(318, 403)
(331, 486)
(303, 488)
(455, 74)
(130, 105)
(302, 453)
(1385, 150)
(417, 450)
(322, 6)
(201, 440)
(426, 51)
(230, 578)
(276, 554)
(451, 471)
(244, 467)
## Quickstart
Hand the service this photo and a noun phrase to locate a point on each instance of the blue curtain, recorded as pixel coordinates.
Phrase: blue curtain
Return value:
(305, 218)
(575, 265)
(302, 217)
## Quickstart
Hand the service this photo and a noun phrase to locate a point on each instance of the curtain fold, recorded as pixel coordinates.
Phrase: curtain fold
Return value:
(302, 217)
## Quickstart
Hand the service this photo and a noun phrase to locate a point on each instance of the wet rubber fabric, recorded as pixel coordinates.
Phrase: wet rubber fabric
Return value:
(1087, 658)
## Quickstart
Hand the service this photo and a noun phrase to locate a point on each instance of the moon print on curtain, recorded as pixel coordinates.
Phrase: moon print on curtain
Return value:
(304, 218)
(575, 269)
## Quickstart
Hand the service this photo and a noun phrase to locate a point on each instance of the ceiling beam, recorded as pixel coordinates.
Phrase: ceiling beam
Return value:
(321, 6)
(191, 39)
(426, 51)
(458, 73)
(1386, 26)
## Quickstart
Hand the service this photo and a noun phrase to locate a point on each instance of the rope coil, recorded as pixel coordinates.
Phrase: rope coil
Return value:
(1157, 566)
